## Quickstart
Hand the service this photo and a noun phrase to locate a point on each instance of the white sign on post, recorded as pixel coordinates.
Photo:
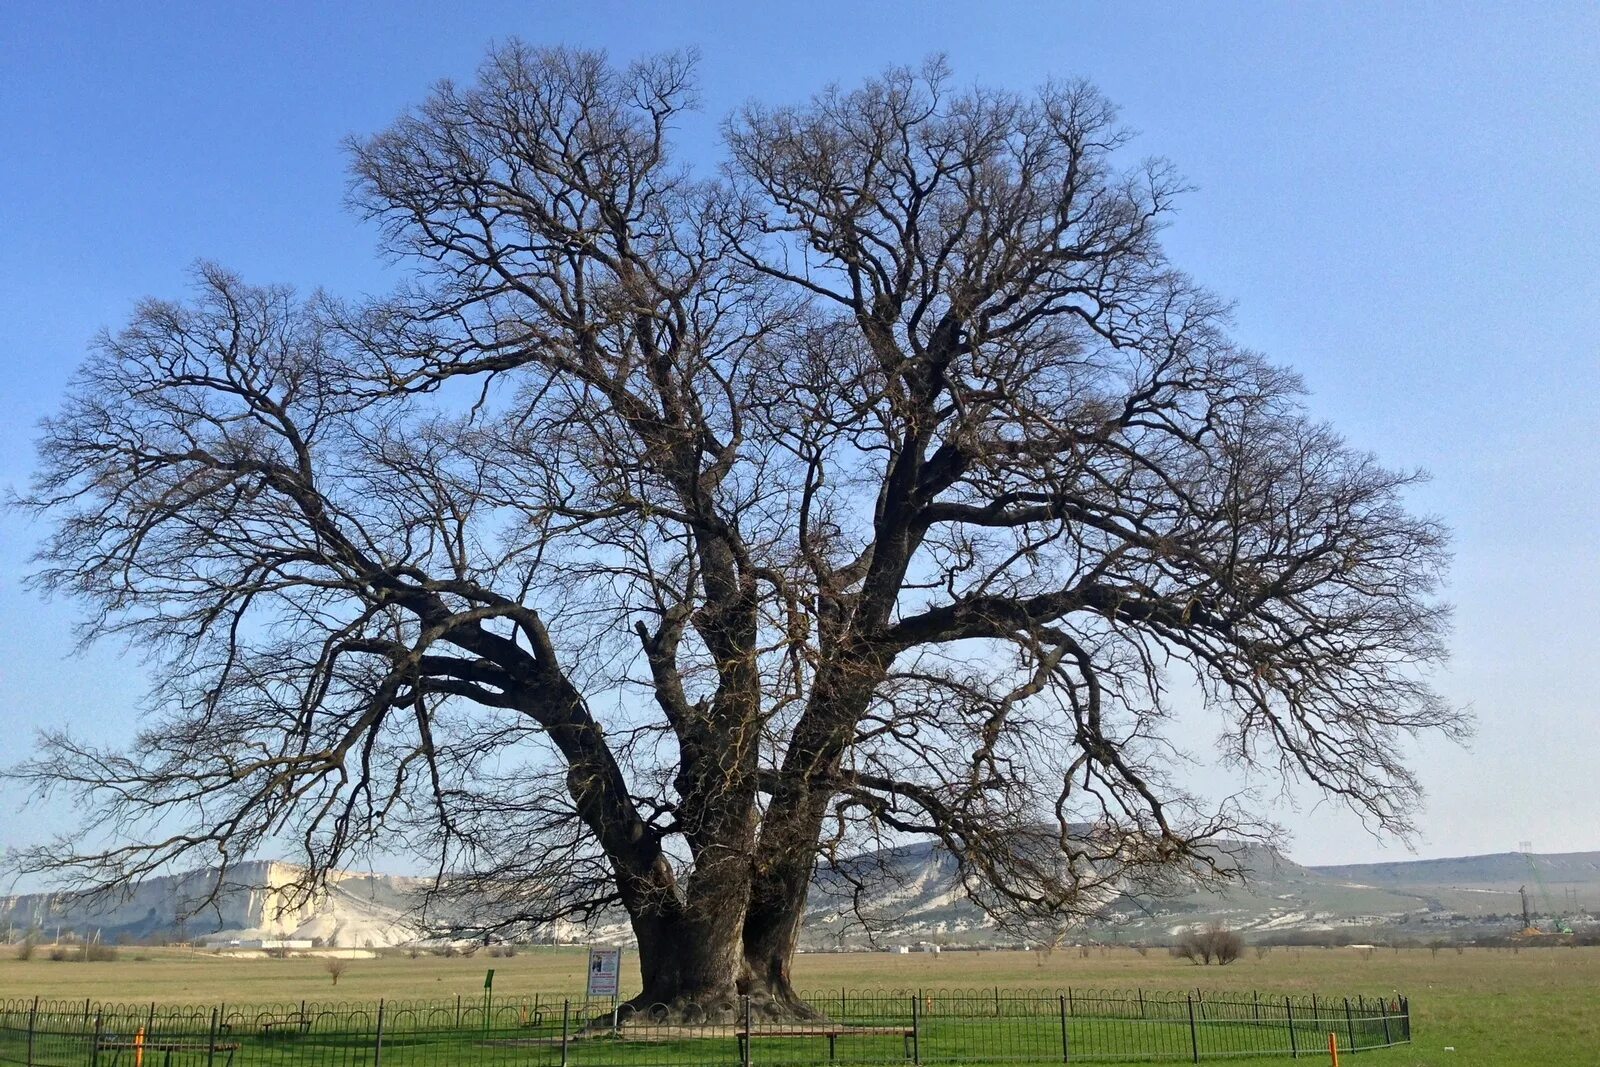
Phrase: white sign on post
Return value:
(605, 971)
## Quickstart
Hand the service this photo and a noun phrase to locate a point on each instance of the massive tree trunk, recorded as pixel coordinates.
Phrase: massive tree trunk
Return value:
(771, 934)
(697, 964)
(689, 968)
(786, 855)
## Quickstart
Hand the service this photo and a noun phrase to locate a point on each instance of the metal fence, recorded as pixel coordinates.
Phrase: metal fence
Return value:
(914, 1026)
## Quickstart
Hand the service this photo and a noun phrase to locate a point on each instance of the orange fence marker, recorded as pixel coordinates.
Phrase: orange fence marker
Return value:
(1333, 1047)
(138, 1048)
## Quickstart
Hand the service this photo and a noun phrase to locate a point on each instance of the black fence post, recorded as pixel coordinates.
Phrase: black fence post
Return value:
(33, 1019)
(916, 1031)
(377, 1047)
(1405, 1016)
(99, 1034)
(844, 1007)
(1066, 1051)
(1288, 1013)
(566, 1012)
(211, 1042)
(997, 1002)
(1255, 1000)
(458, 1011)
(1141, 1002)
(744, 1045)
(1383, 1005)
(1350, 1025)
(1194, 1034)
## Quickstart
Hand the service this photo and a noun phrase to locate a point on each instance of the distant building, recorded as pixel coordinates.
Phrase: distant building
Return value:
(266, 943)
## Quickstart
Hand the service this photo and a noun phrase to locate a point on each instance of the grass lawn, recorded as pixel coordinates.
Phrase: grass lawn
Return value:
(1496, 1008)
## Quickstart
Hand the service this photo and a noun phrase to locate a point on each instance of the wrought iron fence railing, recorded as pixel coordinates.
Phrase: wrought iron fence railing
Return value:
(913, 1026)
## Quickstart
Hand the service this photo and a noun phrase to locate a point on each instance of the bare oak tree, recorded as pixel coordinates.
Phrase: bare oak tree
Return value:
(664, 536)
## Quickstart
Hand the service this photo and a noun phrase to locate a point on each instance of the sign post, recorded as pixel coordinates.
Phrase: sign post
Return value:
(488, 996)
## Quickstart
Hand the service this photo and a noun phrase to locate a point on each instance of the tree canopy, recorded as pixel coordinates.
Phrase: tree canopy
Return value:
(668, 532)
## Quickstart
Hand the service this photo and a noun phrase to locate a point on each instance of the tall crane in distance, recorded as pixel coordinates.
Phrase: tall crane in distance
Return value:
(1558, 924)
(1528, 929)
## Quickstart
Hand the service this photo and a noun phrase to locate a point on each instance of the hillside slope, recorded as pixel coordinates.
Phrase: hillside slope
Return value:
(1500, 870)
(913, 895)
(356, 910)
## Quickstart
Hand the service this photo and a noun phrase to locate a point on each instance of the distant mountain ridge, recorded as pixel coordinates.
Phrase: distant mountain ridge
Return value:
(1278, 896)
(917, 898)
(1500, 870)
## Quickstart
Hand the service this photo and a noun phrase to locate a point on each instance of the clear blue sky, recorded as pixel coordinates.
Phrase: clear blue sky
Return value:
(1403, 199)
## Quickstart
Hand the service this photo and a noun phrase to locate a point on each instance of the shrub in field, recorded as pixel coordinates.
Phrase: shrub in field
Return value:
(88, 952)
(1226, 944)
(1193, 947)
(336, 966)
(1215, 944)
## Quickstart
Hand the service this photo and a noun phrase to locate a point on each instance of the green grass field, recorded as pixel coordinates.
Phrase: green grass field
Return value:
(1496, 1008)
